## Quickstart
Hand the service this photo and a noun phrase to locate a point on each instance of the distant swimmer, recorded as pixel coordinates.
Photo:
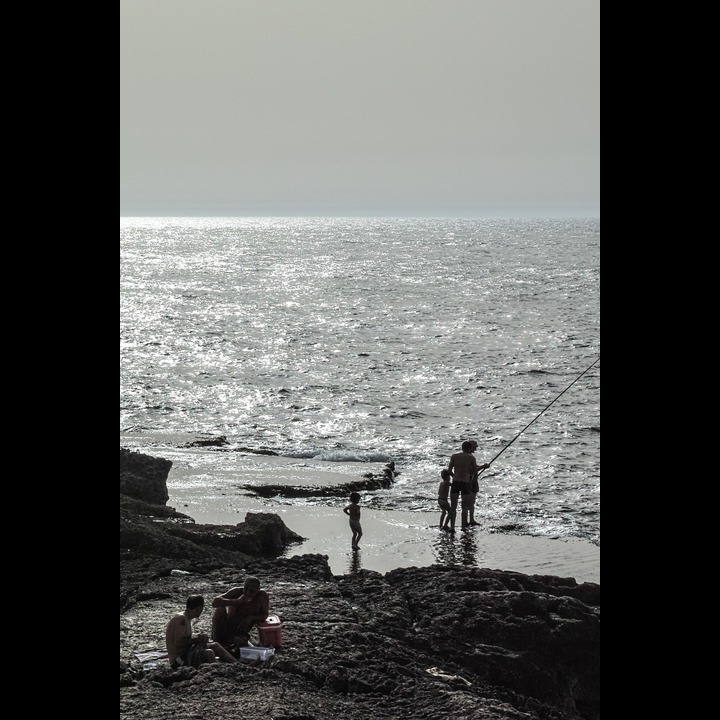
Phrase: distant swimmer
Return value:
(389, 474)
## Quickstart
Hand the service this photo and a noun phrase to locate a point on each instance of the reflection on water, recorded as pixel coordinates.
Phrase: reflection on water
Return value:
(354, 565)
(458, 549)
(201, 357)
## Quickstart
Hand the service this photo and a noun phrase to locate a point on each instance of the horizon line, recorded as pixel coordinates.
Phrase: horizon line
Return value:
(546, 216)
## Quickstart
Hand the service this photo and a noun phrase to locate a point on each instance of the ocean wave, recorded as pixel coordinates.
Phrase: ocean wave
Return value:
(341, 456)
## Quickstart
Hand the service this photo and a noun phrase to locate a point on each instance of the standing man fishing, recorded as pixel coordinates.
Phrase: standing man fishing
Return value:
(475, 486)
(465, 469)
(472, 447)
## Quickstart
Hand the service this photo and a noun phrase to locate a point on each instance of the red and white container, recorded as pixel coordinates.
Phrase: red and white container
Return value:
(270, 632)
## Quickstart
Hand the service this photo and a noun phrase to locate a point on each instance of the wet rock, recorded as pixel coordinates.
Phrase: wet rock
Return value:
(144, 477)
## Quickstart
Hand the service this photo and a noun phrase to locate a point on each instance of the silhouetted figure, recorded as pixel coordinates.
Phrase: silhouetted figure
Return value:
(463, 467)
(236, 613)
(353, 511)
(183, 647)
(443, 501)
(475, 486)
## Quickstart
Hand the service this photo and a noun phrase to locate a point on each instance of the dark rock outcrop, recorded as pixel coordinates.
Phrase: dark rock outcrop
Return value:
(371, 482)
(150, 530)
(144, 477)
(415, 643)
(260, 534)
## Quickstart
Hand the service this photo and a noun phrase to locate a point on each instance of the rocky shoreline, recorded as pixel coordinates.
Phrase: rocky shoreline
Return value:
(432, 642)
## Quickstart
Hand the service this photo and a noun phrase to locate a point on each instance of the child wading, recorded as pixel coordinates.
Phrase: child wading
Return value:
(353, 510)
(443, 502)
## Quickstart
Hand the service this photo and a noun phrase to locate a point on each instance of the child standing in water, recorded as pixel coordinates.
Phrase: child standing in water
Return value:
(353, 511)
(443, 502)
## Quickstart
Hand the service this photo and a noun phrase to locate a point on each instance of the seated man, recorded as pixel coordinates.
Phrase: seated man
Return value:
(183, 647)
(236, 612)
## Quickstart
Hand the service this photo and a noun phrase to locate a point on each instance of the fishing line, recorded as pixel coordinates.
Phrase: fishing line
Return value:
(538, 415)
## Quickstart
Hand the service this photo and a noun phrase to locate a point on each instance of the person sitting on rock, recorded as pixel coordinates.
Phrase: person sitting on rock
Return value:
(236, 613)
(183, 647)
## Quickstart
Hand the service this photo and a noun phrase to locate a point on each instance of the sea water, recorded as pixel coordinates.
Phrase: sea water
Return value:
(355, 341)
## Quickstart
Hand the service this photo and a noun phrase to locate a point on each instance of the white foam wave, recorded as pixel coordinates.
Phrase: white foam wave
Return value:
(342, 456)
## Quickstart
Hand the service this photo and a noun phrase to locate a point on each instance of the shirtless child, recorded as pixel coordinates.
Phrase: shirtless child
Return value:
(443, 502)
(353, 511)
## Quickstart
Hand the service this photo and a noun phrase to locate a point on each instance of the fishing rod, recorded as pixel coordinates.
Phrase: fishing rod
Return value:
(539, 414)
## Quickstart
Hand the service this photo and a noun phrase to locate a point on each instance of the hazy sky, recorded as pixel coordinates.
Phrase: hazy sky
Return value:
(360, 107)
